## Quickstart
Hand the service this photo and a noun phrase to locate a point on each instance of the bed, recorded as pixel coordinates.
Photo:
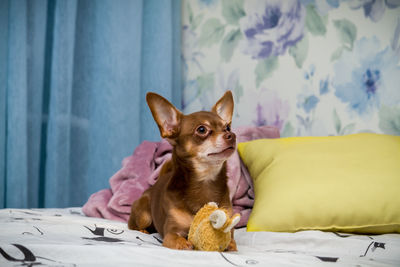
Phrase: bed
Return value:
(66, 237)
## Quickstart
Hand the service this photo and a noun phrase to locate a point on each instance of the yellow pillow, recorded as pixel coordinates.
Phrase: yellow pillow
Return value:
(336, 183)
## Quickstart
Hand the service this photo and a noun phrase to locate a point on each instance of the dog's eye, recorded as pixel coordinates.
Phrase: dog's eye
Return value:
(201, 130)
(228, 128)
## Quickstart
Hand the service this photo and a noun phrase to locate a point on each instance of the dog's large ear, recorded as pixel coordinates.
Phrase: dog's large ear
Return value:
(224, 107)
(167, 117)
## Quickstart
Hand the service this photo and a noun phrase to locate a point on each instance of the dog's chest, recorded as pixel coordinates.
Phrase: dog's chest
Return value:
(199, 196)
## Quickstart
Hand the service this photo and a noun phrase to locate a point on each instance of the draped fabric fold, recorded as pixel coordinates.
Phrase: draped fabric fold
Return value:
(73, 79)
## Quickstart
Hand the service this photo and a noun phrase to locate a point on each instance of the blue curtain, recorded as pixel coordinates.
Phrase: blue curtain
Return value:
(73, 79)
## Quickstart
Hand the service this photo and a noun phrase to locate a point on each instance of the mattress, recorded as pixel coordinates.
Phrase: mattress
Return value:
(66, 237)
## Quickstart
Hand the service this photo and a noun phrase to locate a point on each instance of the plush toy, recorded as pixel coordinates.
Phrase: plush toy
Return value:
(211, 228)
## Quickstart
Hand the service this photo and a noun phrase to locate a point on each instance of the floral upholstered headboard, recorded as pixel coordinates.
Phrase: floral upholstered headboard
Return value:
(309, 67)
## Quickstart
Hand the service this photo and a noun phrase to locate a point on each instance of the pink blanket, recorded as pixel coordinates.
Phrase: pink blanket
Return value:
(140, 171)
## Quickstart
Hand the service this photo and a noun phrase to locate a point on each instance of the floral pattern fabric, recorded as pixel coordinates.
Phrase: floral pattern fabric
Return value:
(308, 67)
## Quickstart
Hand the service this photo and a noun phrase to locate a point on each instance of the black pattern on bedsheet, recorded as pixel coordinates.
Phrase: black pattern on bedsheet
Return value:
(327, 259)
(99, 234)
(371, 246)
(30, 233)
(28, 258)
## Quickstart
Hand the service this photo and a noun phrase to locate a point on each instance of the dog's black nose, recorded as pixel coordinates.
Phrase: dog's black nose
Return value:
(228, 136)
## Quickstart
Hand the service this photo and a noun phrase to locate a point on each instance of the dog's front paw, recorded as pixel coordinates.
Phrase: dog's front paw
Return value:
(177, 242)
(184, 244)
(232, 246)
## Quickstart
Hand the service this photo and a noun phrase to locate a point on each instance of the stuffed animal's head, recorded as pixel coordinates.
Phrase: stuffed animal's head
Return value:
(211, 228)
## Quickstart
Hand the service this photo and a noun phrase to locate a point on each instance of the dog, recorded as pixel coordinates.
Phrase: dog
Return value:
(195, 174)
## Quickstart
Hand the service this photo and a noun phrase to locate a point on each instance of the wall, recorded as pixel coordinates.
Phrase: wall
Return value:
(326, 67)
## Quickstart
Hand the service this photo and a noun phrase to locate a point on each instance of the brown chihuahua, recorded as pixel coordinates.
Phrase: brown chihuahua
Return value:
(195, 175)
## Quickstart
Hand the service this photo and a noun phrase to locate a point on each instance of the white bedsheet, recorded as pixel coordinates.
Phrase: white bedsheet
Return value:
(65, 237)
